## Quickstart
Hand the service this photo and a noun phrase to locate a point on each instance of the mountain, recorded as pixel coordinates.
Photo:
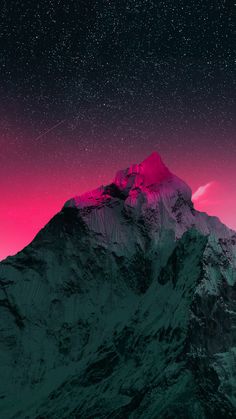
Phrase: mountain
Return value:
(123, 306)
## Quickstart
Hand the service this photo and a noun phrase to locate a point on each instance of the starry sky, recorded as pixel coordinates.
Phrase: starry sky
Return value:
(90, 86)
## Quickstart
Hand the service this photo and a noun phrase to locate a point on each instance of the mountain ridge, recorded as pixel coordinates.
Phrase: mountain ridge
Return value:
(122, 306)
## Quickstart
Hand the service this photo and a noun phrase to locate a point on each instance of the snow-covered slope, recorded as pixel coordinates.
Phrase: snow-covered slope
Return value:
(123, 306)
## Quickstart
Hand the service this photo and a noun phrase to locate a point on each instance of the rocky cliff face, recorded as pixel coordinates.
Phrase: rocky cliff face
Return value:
(123, 306)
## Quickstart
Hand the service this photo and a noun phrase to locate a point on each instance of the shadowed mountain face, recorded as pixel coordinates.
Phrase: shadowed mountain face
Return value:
(123, 306)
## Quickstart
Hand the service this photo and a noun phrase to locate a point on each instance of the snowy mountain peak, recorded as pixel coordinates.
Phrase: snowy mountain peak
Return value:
(151, 171)
(148, 191)
(140, 184)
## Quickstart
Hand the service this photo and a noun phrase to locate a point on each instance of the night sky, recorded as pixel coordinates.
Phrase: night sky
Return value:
(89, 87)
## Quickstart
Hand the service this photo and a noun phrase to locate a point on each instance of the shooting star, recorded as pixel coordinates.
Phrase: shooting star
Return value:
(49, 130)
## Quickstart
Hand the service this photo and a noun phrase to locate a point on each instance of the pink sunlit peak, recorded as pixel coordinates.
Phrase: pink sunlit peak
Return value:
(151, 171)
(146, 180)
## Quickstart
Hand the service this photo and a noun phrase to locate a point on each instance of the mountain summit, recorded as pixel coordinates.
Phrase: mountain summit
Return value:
(123, 306)
(143, 182)
(150, 172)
(147, 191)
